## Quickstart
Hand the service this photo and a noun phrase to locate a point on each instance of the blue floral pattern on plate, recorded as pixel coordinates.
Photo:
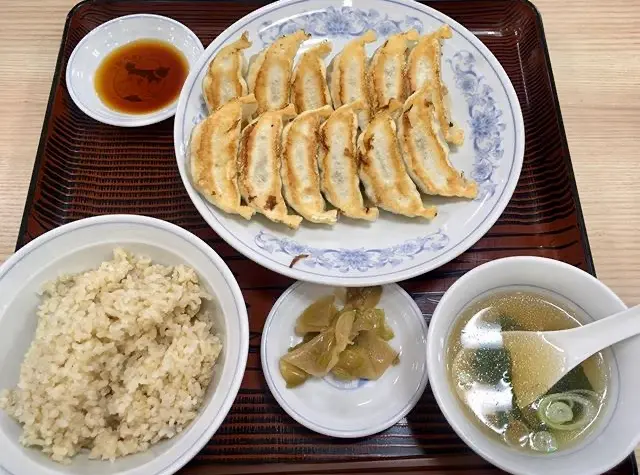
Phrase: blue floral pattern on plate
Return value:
(346, 260)
(339, 22)
(485, 122)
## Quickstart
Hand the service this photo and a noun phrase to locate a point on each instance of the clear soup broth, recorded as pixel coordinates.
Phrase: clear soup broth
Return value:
(479, 372)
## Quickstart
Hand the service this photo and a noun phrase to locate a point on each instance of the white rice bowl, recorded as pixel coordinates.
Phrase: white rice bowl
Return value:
(76, 248)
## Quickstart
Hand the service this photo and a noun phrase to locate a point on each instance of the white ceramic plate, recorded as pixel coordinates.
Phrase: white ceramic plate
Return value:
(82, 245)
(353, 409)
(393, 248)
(93, 48)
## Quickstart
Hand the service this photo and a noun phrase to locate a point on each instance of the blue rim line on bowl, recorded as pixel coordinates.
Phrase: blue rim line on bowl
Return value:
(270, 378)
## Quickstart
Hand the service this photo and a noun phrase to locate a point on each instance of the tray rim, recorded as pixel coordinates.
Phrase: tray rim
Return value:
(56, 78)
(582, 226)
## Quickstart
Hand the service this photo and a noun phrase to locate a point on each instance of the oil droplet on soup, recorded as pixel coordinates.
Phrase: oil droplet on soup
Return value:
(141, 77)
(479, 371)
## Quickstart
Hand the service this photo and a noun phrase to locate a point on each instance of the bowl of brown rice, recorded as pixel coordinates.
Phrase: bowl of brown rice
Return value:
(123, 345)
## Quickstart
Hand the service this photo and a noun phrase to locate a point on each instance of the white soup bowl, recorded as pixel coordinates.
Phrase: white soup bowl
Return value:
(617, 432)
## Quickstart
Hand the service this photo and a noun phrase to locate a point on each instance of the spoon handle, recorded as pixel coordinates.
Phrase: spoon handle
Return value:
(582, 342)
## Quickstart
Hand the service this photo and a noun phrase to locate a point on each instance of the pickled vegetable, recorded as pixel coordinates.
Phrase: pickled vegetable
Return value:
(376, 353)
(363, 297)
(350, 363)
(292, 375)
(350, 343)
(368, 358)
(318, 356)
(342, 328)
(305, 339)
(372, 319)
(317, 317)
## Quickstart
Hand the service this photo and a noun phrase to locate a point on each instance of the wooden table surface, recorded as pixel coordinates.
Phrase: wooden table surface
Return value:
(595, 52)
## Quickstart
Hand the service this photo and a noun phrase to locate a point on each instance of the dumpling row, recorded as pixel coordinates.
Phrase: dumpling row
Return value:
(397, 99)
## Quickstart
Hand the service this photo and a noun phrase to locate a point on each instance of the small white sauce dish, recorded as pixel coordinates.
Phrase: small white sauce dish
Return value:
(98, 43)
(83, 245)
(615, 434)
(355, 408)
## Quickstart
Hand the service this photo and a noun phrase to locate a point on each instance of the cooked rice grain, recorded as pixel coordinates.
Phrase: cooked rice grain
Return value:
(121, 359)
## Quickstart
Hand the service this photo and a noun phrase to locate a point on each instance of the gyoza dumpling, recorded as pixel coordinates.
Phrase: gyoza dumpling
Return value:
(425, 151)
(224, 80)
(382, 170)
(299, 169)
(385, 77)
(213, 155)
(309, 88)
(269, 74)
(255, 63)
(348, 76)
(338, 163)
(259, 162)
(423, 66)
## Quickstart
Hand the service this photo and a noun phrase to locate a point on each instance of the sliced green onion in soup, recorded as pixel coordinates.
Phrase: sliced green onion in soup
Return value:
(571, 410)
(558, 412)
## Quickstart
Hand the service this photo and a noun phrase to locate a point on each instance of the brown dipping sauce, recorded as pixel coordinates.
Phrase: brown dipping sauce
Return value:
(141, 77)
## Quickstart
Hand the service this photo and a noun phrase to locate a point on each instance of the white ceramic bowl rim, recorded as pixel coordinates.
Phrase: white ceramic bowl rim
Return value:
(440, 327)
(134, 120)
(206, 428)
